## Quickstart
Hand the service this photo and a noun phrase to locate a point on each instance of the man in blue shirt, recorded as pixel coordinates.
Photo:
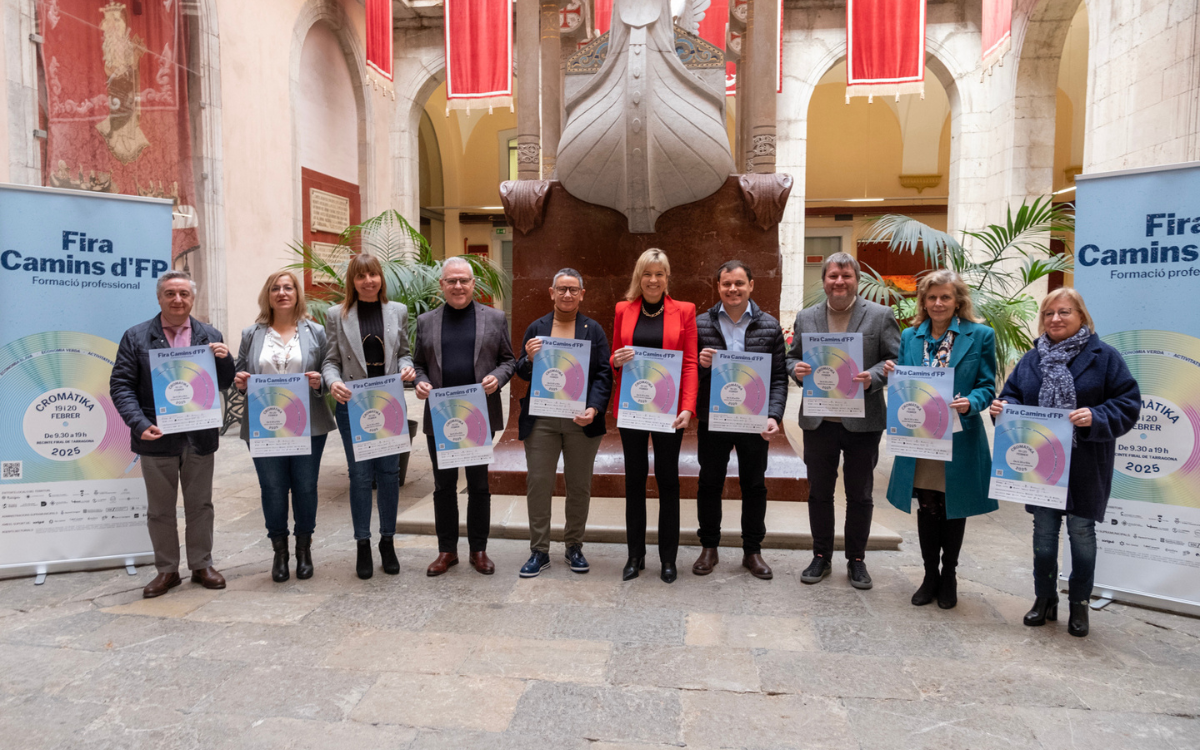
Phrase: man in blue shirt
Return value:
(736, 324)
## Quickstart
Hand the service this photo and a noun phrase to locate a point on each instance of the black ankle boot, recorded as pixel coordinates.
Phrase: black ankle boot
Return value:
(632, 566)
(279, 568)
(387, 556)
(1077, 625)
(304, 564)
(669, 573)
(1044, 608)
(930, 540)
(365, 567)
(947, 596)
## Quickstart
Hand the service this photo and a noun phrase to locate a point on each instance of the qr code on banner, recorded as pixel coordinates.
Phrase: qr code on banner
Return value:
(10, 469)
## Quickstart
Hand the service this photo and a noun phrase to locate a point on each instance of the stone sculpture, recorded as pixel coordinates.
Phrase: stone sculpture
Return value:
(645, 134)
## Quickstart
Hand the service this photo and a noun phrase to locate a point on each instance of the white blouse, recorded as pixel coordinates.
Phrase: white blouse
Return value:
(278, 358)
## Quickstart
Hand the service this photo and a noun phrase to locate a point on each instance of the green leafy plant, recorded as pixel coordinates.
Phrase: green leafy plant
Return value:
(1003, 262)
(411, 271)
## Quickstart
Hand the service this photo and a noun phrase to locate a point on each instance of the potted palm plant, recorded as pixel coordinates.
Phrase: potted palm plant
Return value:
(411, 272)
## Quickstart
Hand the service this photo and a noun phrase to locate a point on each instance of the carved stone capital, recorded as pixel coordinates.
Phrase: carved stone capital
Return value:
(524, 203)
(766, 196)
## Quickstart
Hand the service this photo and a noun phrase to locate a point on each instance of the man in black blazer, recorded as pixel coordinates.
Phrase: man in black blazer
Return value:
(576, 438)
(181, 458)
(462, 343)
(736, 324)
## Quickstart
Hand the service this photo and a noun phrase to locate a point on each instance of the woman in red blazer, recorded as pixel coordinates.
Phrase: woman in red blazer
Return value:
(650, 318)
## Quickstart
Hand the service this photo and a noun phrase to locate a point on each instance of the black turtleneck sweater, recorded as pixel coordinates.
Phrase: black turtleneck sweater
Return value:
(649, 330)
(458, 346)
(370, 325)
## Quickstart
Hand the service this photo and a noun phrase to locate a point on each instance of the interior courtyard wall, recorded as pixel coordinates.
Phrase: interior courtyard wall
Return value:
(21, 151)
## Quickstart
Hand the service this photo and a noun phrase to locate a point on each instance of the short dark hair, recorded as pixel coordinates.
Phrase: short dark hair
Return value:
(568, 272)
(730, 266)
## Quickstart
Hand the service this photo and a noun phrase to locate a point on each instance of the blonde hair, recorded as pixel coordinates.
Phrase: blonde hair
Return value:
(266, 314)
(1076, 300)
(651, 257)
(963, 306)
(359, 265)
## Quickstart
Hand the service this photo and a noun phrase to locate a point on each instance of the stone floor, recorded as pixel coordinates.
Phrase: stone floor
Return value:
(578, 661)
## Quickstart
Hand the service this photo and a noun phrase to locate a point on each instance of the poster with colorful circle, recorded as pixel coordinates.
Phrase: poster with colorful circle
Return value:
(1031, 456)
(560, 378)
(830, 389)
(185, 389)
(277, 409)
(739, 392)
(378, 417)
(462, 431)
(919, 422)
(649, 398)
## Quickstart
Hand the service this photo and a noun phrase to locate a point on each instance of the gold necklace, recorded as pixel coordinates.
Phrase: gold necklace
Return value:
(649, 314)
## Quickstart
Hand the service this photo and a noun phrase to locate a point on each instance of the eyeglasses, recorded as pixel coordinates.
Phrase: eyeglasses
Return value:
(1066, 312)
(568, 290)
(457, 282)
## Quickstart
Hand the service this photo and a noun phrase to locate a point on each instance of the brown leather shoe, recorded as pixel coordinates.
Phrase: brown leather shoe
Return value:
(481, 563)
(757, 566)
(442, 563)
(162, 583)
(209, 578)
(705, 562)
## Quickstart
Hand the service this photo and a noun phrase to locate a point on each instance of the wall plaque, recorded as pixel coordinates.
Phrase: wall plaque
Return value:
(333, 254)
(328, 212)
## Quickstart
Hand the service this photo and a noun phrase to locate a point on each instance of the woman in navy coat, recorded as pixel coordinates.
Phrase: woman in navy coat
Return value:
(1071, 368)
(946, 334)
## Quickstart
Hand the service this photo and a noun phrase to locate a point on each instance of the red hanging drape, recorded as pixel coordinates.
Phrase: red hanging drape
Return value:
(478, 53)
(997, 30)
(379, 37)
(117, 104)
(602, 10)
(885, 47)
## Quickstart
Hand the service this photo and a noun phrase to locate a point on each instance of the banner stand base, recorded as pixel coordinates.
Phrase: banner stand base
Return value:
(130, 569)
(41, 578)
(1101, 603)
(105, 562)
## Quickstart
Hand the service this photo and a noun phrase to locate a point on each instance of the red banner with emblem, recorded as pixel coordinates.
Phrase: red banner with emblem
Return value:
(379, 38)
(117, 103)
(478, 53)
(997, 30)
(885, 47)
(602, 15)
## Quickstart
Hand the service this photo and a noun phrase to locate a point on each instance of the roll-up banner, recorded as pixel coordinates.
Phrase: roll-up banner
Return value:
(1137, 265)
(76, 270)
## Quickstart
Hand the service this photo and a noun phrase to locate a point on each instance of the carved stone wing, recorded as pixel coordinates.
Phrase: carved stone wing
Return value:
(692, 14)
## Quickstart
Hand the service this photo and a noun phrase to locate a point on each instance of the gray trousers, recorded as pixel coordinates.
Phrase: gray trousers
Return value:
(164, 475)
(550, 437)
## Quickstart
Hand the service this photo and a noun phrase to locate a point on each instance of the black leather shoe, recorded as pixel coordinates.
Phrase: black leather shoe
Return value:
(817, 570)
(632, 566)
(948, 590)
(304, 564)
(387, 556)
(364, 566)
(1044, 608)
(856, 570)
(1077, 625)
(669, 574)
(279, 567)
(928, 590)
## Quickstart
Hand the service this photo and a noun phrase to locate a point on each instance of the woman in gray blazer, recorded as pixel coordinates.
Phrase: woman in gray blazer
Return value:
(284, 340)
(368, 338)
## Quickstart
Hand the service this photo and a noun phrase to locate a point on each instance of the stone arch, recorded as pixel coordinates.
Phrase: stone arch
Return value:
(332, 15)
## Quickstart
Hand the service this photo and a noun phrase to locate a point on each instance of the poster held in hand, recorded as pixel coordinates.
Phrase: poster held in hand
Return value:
(1031, 461)
(185, 389)
(740, 392)
(462, 432)
(920, 421)
(830, 389)
(649, 398)
(277, 407)
(378, 417)
(560, 378)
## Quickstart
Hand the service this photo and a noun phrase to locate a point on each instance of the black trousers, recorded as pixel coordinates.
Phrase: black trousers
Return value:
(636, 444)
(859, 452)
(445, 505)
(714, 450)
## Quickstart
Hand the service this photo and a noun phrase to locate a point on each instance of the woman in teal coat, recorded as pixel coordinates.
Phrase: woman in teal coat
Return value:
(946, 334)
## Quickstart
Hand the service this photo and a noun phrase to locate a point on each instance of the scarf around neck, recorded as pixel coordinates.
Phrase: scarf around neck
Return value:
(1058, 385)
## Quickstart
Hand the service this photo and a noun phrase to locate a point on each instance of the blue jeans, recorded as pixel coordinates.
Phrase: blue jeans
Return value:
(279, 475)
(1081, 532)
(383, 471)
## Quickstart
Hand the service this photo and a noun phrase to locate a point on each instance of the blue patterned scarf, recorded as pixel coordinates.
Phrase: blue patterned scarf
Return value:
(1058, 385)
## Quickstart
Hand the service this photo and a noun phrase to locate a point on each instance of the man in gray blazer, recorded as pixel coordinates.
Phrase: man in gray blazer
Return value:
(461, 343)
(853, 439)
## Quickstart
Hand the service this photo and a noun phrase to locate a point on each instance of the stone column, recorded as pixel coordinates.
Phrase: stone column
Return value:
(551, 86)
(528, 65)
(763, 33)
(745, 85)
